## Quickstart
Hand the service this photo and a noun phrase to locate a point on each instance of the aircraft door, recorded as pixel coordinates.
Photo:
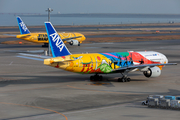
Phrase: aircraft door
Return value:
(80, 62)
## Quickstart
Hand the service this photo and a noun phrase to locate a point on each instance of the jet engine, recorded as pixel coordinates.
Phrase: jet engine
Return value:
(152, 72)
(74, 42)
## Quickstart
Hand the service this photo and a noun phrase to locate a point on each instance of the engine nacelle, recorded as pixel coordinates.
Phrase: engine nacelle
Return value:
(152, 72)
(74, 42)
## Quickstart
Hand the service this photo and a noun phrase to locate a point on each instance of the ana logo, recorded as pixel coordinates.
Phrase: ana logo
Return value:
(23, 26)
(59, 44)
(154, 54)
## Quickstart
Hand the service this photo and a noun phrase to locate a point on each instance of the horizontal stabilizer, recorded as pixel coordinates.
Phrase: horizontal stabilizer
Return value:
(57, 60)
(33, 57)
(38, 59)
(23, 36)
(38, 56)
(9, 35)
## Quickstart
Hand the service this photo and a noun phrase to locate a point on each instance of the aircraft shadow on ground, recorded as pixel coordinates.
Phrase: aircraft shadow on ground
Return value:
(28, 79)
(41, 79)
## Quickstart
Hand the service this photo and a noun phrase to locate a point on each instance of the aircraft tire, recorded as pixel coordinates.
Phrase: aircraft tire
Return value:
(91, 77)
(45, 45)
(119, 79)
(123, 80)
(100, 78)
(128, 79)
(96, 78)
(79, 44)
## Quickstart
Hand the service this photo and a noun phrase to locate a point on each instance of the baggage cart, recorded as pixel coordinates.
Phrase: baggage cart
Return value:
(177, 97)
(175, 104)
(153, 102)
(170, 97)
(164, 103)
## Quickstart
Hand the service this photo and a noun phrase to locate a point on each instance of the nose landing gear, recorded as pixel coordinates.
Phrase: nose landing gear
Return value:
(45, 45)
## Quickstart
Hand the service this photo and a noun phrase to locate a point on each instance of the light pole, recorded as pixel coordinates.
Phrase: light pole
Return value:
(49, 10)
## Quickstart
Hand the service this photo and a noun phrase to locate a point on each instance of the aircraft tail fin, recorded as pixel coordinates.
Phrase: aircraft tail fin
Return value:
(22, 27)
(58, 47)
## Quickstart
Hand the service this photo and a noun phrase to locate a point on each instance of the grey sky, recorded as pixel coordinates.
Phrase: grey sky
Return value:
(91, 6)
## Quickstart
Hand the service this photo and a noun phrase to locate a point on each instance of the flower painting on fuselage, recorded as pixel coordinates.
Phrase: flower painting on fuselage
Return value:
(104, 62)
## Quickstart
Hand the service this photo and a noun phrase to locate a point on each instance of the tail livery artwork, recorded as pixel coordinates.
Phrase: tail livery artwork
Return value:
(150, 62)
(71, 38)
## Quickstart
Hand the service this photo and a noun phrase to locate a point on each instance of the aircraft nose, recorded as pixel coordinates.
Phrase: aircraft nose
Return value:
(83, 37)
(165, 59)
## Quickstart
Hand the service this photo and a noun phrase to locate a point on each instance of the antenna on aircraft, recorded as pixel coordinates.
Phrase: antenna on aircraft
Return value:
(49, 10)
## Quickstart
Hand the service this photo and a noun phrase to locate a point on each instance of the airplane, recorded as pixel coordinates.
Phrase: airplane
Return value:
(71, 38)
(148, 62)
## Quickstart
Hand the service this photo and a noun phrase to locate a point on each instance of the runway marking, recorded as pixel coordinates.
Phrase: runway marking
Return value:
(104, 43)
(101, 91)
(35, 107)
(4, 79)
(102, 108)
(29, 89)
(98, 84)
(11, 63)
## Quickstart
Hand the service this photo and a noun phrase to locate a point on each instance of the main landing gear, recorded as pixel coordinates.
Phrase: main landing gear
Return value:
(45, 45)
(124, 79)
(96, 77)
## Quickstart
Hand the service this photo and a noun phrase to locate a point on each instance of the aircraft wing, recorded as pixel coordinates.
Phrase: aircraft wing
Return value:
(71, 38)
(142, 66)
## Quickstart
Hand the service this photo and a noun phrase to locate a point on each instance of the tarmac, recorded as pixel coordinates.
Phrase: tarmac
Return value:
(30, 90)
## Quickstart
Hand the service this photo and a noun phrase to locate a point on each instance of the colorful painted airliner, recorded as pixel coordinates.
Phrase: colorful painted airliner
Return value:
(150, 62)
(71, 38)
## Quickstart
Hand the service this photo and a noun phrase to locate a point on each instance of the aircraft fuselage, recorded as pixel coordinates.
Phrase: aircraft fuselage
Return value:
(43, 38)
(105, 62)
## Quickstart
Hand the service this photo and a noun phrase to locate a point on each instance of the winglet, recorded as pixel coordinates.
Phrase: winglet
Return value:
(58, 47)
(22, 27)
